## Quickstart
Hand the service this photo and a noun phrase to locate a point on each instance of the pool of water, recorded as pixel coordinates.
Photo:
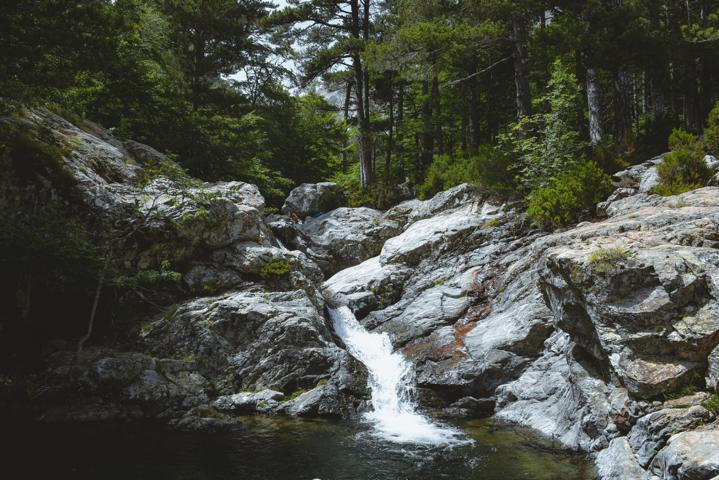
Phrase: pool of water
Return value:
(261, 448)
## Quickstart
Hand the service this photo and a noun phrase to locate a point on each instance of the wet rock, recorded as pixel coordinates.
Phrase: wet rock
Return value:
(108, 385)
(247, 402)
(472, 407)
(310, 199)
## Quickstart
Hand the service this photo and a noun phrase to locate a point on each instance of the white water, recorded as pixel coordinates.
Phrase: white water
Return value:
(391, 381)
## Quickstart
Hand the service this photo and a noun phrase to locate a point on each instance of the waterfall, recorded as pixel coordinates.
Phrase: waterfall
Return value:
(391, 381)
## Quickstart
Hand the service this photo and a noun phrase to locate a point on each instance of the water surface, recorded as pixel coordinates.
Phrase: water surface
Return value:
(261, 448)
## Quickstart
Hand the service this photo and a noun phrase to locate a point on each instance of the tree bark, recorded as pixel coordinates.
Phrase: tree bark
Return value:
(437, 114)
(521, 66)
(474, 126)
(400, 120)
(365, 140)
(594, 97)
(622, 106)
(427, 130)
(95, 302)
(346, 113)
(390, 138)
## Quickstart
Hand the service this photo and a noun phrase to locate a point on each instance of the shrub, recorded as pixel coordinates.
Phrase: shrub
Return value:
(549, 143)
(490, 167)
(712, 404)
(275, 269)
(379, 195)
(604, 260)
(684, 168)
(569, 195)
(711, 132)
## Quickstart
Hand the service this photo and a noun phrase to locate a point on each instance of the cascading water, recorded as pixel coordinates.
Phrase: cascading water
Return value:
(391, 381)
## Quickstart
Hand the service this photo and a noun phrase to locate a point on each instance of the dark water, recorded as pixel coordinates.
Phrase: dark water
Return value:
(275, 449)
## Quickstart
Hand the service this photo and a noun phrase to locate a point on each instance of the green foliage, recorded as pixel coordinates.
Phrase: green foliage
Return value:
(275, 269)
(490, 167)
(684, 168)
(379, 195)
(36, 160)
(711, 132)
(712, 404)
(604, 260)
(491, 223)
(144, 278)
(569, 195)
(207, 412)
(549, 143)
(694, 384)
(295, 394)
(48, 244)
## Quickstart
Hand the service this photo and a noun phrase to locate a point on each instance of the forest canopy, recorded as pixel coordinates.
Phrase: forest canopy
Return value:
(518, 95)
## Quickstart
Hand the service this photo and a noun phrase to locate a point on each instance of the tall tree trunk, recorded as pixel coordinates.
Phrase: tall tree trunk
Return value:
(400, 120)
(594, 98)
(95, 302)
(464, 133)
(622, 105)
(346, 113)
(693, 119)
(491, 110)
(24, 299)
(473, 117)
(390, 138)
(427, 130)
(365, 140)
(521, 66)
(437, 114)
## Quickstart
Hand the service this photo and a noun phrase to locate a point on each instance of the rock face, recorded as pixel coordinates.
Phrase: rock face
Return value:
(247, 314)
(578, 334)
(310, 199)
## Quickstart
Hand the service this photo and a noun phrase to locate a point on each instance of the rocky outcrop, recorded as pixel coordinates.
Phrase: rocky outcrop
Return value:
(247, 314)
(579, 334)
(603, 337)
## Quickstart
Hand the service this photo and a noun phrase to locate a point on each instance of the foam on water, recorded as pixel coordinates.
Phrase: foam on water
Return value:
(391, 381)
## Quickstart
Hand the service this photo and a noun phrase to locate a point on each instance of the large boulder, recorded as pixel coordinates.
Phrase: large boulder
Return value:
(617, 462)
(689, 456)
(345, 237)
(652, 431)
(106, 385)
(310, 199)
(253, 339)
